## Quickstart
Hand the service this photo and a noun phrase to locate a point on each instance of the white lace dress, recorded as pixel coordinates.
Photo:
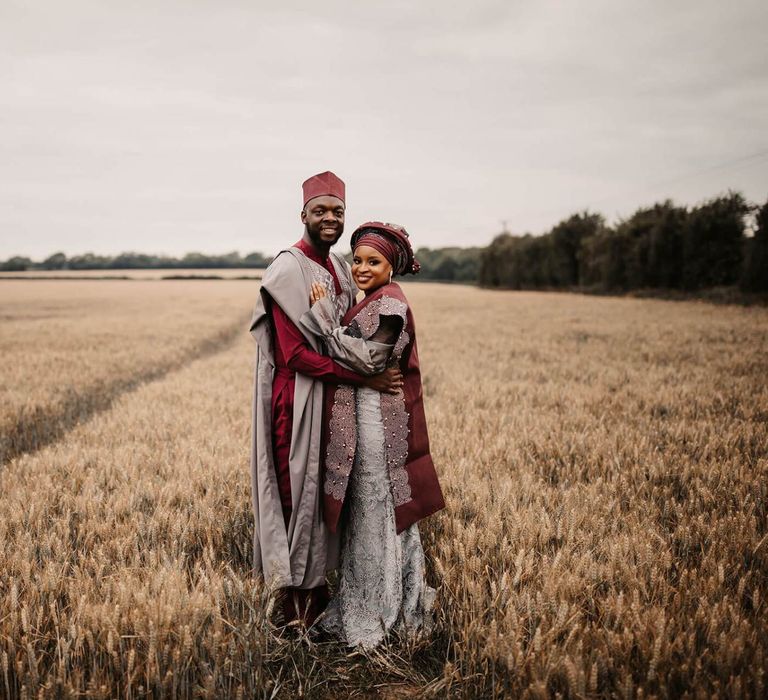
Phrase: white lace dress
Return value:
(381, 579)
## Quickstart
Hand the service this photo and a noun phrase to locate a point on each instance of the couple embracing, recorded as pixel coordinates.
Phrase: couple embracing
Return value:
(340, 464)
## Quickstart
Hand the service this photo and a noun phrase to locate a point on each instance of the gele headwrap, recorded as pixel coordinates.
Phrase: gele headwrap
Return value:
(386, 246)
(391, 241)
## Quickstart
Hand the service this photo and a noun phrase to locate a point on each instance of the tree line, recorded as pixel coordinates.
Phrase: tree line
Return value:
(445, 264)
(664, 246)
(449, 264)
(135, 261)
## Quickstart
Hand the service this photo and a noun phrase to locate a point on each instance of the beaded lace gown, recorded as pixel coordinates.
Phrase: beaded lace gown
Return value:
(381, 578)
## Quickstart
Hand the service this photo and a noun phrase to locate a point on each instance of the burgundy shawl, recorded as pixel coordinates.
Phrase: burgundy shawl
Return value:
(415, 487)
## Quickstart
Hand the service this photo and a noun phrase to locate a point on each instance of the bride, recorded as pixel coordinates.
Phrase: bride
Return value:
(379, 479)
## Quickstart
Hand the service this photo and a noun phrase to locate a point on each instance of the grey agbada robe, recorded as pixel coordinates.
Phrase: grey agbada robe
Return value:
(301, 556)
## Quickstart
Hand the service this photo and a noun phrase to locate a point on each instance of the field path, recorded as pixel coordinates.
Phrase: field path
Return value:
(43, 425)
(70, 347)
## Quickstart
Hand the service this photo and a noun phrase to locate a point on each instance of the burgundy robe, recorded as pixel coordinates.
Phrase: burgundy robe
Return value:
(415, 487)
(291, 543)
(293, 354)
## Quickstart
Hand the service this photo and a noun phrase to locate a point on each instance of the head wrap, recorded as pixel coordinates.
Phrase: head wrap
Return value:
(385, 246)
(323, 184)
(391, 241)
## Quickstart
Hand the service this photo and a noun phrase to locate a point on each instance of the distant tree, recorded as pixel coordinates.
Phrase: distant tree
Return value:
(494, 261)
(468, 265)
(650, 243)
(518, 262)
(57, 261)
(547, 261)
(449, 264)
(565, 240)
(164, 262)
(129, 261)
(754, 276)
(88, 261)
(665, 253)
(603, 261)
(16, 264)
(255, 260)
(426, 258)
(535, 263)
(712, 242)
(445, 270)
(232, 259)
(198, 260)
(632, 241)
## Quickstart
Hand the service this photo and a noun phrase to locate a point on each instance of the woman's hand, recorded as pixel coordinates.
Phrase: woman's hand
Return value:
(316, 293)
(390, 381)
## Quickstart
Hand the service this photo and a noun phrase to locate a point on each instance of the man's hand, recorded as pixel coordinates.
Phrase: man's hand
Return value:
(317, 293)
(390, 381)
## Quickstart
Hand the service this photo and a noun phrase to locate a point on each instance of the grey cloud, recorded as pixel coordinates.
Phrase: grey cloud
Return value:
(190, 125)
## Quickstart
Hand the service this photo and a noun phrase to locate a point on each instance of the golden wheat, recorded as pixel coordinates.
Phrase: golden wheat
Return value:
(604, 462)
(68, 347)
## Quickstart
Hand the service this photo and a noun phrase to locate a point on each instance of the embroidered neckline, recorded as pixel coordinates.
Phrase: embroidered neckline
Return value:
(318, 273)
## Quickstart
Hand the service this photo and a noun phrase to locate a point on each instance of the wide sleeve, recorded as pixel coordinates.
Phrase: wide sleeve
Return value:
(365, 356)
(301, 358)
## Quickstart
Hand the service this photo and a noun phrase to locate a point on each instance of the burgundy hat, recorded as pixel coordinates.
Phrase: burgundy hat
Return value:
(321, 185)
(392, 241)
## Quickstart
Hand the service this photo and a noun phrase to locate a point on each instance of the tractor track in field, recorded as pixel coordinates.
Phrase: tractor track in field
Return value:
(44, 425)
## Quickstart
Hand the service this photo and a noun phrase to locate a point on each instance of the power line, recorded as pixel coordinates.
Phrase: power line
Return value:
(757, 157)
(748, 160)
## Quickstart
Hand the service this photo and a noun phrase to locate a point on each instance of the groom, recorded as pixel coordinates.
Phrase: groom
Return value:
(291, 544)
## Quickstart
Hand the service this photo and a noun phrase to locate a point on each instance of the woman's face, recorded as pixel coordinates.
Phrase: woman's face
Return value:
(370, 268)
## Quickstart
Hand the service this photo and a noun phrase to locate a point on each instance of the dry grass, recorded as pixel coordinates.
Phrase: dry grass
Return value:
(70, 347)
(605, 464)
(608, 494)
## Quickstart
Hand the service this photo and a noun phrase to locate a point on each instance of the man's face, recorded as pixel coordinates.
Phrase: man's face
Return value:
(323, 218)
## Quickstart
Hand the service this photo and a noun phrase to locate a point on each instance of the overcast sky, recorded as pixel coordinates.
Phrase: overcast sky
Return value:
(169, 126)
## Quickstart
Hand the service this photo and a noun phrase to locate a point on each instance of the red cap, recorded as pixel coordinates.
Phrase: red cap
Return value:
(321, 185)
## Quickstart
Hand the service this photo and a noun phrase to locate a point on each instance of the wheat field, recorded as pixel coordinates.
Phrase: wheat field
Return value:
(604, 462)
(69, 347)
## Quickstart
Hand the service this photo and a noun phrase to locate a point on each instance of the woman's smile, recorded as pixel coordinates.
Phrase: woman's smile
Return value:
(370, 268)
